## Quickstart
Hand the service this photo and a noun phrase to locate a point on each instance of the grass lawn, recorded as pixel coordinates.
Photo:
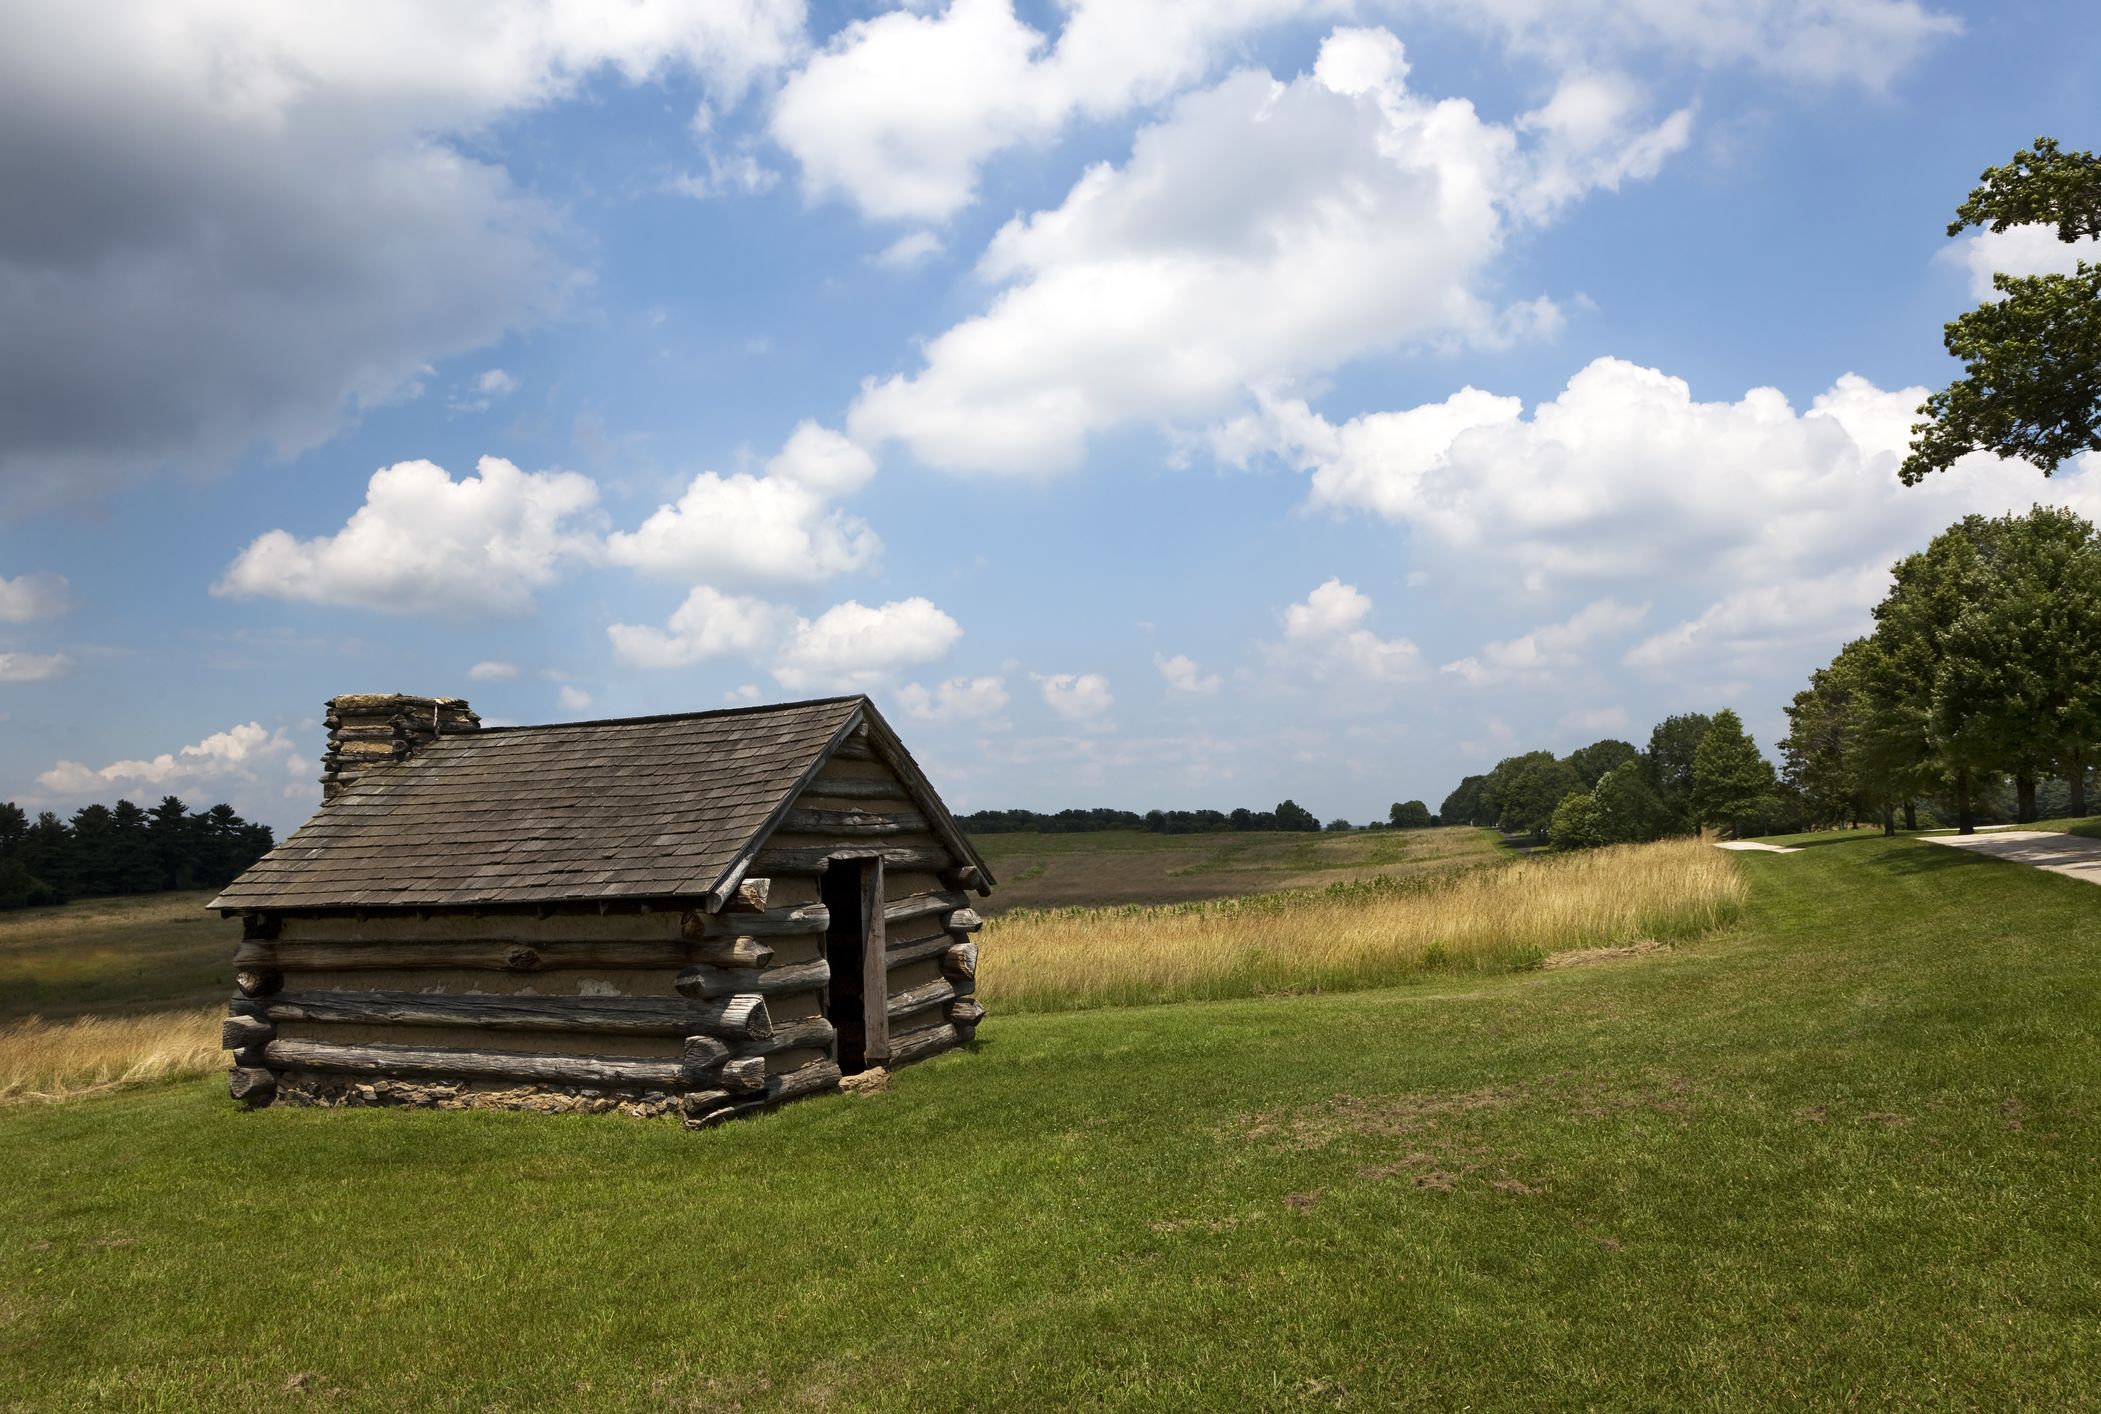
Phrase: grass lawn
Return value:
(1841, 1154)
(1104, 867)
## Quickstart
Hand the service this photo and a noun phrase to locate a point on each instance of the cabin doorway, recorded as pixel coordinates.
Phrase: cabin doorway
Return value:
(856, 1000)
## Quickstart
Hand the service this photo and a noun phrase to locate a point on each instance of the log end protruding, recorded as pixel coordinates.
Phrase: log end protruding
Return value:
(261, 927)
(965, 920)
(744, 1074)
(960, 962)
(740, 951)
(702, 1054)
(745, 1016)
(815, 1078)
(258, 981)
(750, 897)
(965, 1012)
(238, 1031)
(967, 877)
(252, 1085)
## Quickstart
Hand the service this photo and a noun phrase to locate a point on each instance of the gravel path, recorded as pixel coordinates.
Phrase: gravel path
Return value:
(2074, 856)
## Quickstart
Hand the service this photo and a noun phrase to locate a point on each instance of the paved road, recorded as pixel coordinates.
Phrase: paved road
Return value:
(2074, 856)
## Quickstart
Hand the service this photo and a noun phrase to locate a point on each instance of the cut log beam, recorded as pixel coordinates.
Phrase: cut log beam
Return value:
(744, 1075)
(804, 1080)
(474, 955)
(705, 981)
(811, 1031)
(965, 1011)
(393, 1061)
(921, 1044)
(965, 920)
(700, 1102)
(854, 748)
(919, 950)
(253, 1086)
(808, 860)
(906, 909)
(854, 824)
(750, 897)
(773, 923)
(738, 951)
(727, 1019)
(855, 788)
(238, 1031)
(703, 1053)
(959, 962)
(924, 997)
(967, 877)
(258, 981)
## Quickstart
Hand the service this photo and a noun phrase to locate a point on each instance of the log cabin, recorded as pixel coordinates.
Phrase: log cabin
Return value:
(705, 914)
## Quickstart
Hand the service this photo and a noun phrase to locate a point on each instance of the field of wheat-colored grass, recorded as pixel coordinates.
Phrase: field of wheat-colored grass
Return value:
(1366, 933)
(59, 1060)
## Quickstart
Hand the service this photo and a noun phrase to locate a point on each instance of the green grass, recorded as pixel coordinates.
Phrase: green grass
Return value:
(2090, 826)
(1842, 1154)
(113, 957)
(1107, 867)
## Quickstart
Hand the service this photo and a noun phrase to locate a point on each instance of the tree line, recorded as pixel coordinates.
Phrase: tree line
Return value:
(1983, 672)
(122, 849)
(1698, 770)
(1288, 815)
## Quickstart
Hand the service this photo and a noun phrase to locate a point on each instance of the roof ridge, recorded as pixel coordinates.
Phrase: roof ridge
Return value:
(752, 710)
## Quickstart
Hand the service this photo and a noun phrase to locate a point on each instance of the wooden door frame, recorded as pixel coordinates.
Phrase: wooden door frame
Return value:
(875, 962)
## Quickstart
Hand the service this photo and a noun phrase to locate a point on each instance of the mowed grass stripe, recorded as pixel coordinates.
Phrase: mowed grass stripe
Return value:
(1841, 1153)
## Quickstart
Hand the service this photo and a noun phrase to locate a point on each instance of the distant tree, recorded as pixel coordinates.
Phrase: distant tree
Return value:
(1668, 762)
(2032, 385)
(1627, 809)
(1409, 815)
(1820, 756)
(1525, 795)
(1338, 824)
(133, 869)
(1463, 806)
(1732, 784)
(1293, 816)
(1590, 763)
(1575, 823)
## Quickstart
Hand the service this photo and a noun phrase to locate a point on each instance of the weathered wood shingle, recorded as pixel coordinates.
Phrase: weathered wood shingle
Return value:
(651, 807)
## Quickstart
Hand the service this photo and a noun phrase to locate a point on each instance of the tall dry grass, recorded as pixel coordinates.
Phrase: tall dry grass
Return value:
(1367, 933)
(60, 1060)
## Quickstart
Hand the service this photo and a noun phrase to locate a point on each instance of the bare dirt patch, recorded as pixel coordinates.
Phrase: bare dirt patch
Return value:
(1583, 957)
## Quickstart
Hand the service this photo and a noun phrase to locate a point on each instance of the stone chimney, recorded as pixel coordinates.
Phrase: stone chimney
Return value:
(367, 730)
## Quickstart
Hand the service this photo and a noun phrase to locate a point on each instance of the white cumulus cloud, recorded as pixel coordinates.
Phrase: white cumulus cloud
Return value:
(1077, 697)
(709, 624)
(29, 597)
(850, 647)
(1328, 643)
(778, 528)
(242, 754)
(492, 670)
(975, 699)
(1260, 232)
(1182, 674)
(256, 219)
(1546, 653)
(2019, 250)
(32, 667)
(425, 544)
(900, 111)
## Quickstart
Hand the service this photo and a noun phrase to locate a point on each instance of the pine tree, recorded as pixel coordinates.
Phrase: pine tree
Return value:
(1732, 784)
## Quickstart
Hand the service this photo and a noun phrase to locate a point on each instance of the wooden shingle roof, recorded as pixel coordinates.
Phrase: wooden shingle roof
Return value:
(648, 807)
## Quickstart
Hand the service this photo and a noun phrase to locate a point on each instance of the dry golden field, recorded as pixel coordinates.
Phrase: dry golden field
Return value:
(1367, 933)
(59, 1060)
(1107, 867)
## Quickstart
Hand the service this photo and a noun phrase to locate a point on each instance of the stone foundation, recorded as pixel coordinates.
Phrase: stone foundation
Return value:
(328, 1091)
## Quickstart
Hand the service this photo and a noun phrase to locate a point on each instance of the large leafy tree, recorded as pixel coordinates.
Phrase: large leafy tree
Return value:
(2019, 685)
(1463, 806)
(1523, 791)
(1627, 809)
(1591, 762)
(2032, 357)
(1409, 815)
(1669, 765)
(1732, 784)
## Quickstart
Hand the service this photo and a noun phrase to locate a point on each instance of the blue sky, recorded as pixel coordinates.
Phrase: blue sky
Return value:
(1149, 404)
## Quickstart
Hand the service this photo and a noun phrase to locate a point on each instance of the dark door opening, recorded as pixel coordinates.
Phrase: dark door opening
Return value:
(845, 948)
